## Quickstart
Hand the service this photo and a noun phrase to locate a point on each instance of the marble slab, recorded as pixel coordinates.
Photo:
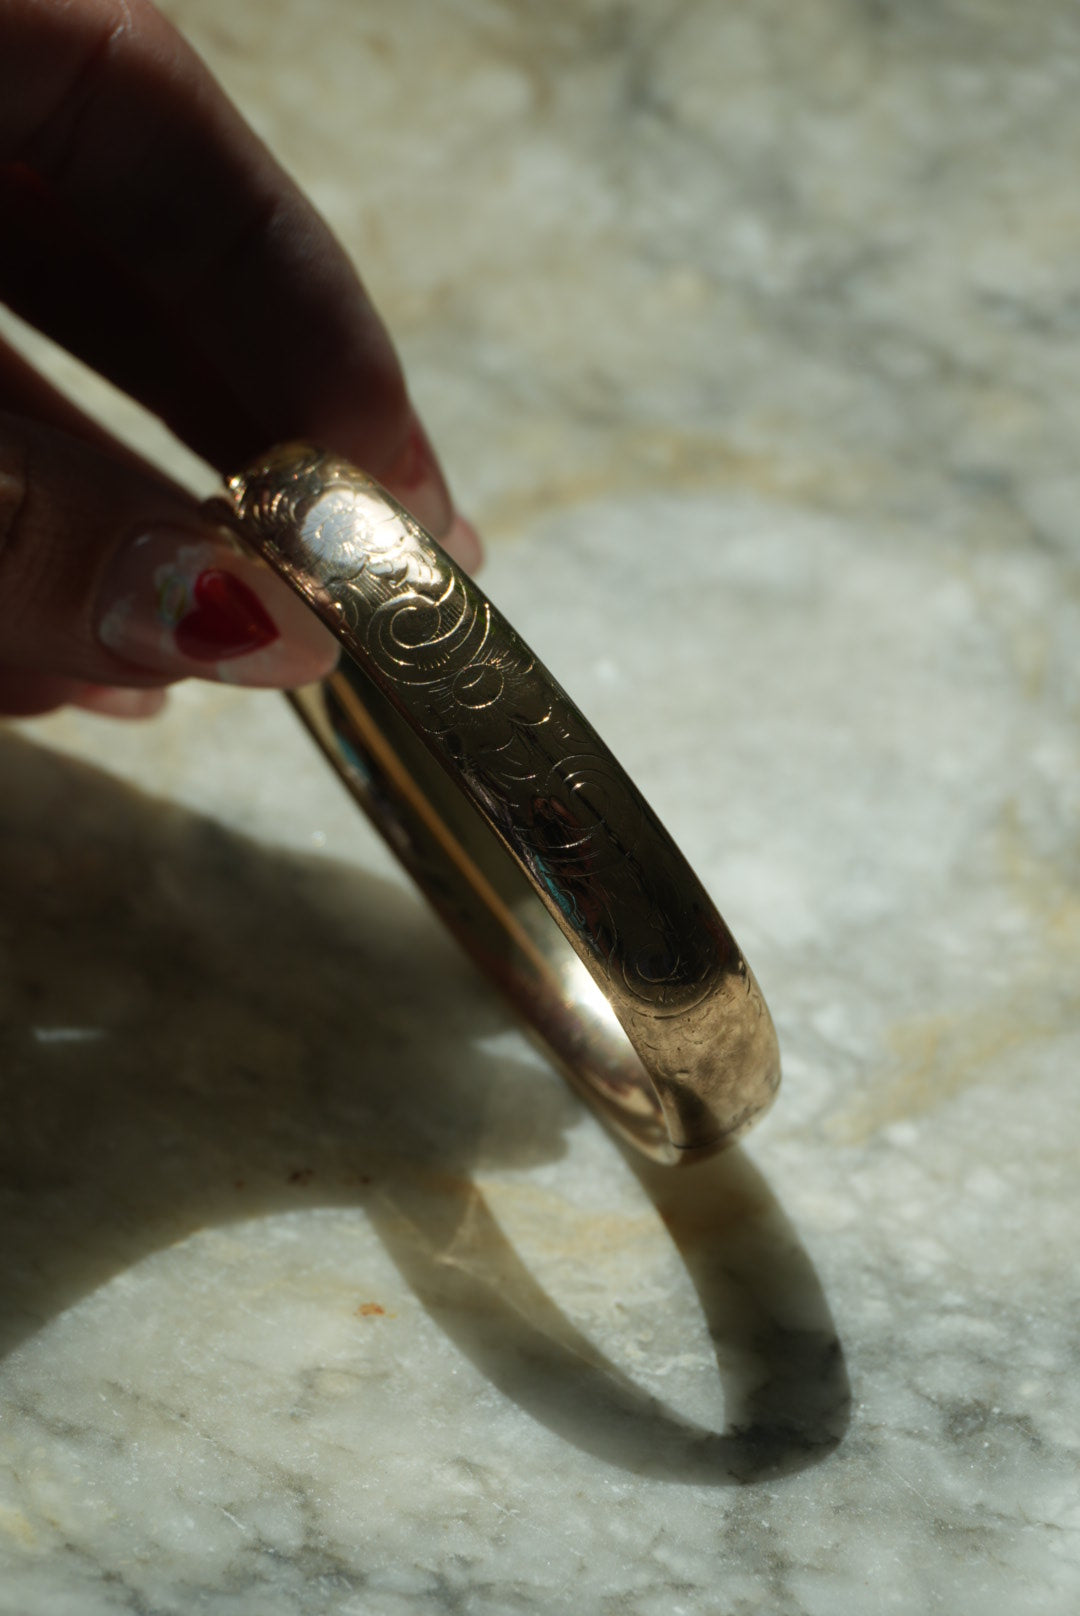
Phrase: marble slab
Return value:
(750, 337)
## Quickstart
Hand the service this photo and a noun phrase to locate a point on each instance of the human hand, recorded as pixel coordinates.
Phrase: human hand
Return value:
(149, 231)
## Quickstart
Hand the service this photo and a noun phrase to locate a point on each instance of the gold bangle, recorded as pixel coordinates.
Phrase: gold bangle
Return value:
(513, 817)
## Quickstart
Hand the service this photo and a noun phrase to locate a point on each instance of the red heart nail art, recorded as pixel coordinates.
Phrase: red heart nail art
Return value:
(227, 620)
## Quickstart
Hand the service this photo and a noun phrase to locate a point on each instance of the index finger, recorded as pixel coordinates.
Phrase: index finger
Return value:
(107, 103)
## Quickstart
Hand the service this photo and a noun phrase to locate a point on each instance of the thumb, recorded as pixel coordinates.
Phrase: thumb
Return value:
(109, 574)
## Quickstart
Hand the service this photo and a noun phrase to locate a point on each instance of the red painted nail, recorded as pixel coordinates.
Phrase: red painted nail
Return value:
(180, 603)
(225, 620)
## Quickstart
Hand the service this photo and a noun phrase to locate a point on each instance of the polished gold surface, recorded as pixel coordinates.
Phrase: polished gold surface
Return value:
(513, 817)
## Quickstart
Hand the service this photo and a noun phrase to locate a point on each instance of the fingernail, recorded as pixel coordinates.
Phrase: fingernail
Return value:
(463, 542)
(416, 479)
(190, 605)
(119, 701)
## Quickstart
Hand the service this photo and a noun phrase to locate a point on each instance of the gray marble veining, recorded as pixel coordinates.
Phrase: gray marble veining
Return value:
(317, 1291)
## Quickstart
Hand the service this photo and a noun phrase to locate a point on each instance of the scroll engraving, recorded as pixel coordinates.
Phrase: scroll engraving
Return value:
(515, 742)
